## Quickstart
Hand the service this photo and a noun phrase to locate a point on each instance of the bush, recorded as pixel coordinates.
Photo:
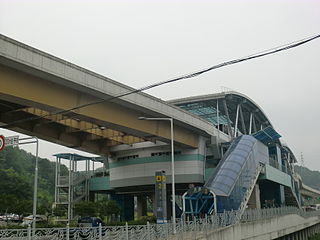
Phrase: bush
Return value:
(13, 227)
(85, 209)
(143, 220)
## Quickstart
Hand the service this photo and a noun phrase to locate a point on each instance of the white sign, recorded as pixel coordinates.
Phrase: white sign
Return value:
(2, 142)
(12, 141)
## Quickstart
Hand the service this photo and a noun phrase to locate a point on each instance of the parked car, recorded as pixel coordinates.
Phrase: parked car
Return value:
(10, 217)
(90, 222)
(28, 220)
(315, 207)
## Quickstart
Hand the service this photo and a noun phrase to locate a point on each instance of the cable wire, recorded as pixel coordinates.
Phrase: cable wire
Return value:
(187, 76)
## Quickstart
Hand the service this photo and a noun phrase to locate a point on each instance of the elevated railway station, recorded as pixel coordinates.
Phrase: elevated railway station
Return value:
(228, 155)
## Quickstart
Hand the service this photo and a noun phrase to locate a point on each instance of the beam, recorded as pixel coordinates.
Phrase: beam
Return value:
(24, 88)
(83, 126)
(228, 118)
(57, 134)
(243, 125)
(237, 120)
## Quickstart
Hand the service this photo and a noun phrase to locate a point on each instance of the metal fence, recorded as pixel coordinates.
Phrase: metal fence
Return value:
(190, 225)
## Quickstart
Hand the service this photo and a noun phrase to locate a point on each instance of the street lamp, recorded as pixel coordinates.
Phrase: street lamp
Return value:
(172, 167)
(29, 140)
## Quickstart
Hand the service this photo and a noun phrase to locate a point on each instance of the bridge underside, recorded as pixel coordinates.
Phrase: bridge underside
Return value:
(32, 105)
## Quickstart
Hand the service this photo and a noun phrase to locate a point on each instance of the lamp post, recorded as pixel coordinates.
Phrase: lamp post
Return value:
(29, 140)
(172, 167)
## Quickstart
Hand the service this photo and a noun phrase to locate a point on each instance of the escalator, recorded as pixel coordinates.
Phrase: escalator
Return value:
(231, 185)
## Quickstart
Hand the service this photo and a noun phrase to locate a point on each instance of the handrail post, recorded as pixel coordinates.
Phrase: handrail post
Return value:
(148, 229)
(29, 232)
(100, 232)
(67, 231)
(127, 231)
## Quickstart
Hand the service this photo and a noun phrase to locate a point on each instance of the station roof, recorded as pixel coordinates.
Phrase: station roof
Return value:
(207, 106)
(267, 135)
(78, 157)
(285, 149)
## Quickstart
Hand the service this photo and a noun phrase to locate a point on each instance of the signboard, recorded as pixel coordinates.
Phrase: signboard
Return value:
(12, 141)
(161, 196)
(2, 142)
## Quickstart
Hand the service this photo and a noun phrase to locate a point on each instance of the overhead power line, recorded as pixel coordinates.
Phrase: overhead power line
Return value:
(187, 76)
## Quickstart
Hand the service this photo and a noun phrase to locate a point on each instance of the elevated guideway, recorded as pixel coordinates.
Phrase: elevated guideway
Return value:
(309, 194)
(43, 88)
(309, 191)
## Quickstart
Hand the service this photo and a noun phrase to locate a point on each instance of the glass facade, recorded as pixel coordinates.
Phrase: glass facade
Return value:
(206, 110)
(236, 171)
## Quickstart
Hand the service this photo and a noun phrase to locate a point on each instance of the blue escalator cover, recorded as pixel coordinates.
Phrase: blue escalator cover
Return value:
(237, 167)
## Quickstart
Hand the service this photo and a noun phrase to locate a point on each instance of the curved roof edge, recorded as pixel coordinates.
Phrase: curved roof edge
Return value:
(218, 96)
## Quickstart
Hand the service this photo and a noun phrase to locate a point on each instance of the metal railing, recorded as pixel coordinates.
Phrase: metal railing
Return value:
(153, 231)
(249, 191)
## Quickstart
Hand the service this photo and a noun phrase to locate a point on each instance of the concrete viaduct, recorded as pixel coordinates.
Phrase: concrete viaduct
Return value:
(40, 95)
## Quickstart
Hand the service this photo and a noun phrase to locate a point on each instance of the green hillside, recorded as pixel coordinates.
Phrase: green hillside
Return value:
(17, 177)
(309, 177)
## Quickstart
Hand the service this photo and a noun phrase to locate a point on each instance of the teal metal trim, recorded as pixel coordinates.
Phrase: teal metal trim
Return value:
(77, 157)
(99, 184)
(208, 173)
(275, 175)
(178, 157)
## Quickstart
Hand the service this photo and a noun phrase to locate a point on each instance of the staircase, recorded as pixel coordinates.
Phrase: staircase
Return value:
(292, 199)
(249, 191)
(67, 195)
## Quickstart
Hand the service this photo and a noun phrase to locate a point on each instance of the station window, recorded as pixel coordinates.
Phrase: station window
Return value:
(164, 153)
(127, 157)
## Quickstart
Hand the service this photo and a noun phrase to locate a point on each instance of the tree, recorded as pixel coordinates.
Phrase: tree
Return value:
(13, 183)
(7, 203)
(85, 209)
(45, 209)
(11, 204)
(59, 211)
(108, 209)
(17, 178)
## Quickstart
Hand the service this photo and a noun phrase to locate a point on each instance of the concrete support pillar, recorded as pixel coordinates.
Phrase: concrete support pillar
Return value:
(313, 231)
(308, 232)
(304, 233)
(92, 196)
(254, 200)
(126, 203)
(154, 207)
(257, 195)
(141, 205)
(169, 206)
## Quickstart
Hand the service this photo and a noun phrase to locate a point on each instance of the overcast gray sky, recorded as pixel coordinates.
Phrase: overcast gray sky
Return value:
(142, 42)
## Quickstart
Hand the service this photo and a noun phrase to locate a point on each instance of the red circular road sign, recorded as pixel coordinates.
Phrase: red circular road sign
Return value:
(2, 142)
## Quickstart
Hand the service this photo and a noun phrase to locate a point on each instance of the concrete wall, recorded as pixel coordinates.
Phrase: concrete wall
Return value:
(273, 228)
(137, 166)
(277, 176)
